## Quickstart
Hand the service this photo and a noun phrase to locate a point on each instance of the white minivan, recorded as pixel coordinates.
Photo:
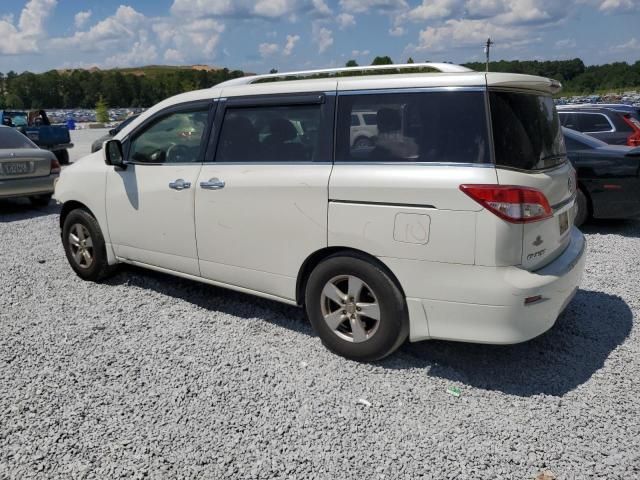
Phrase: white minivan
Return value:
(455, 223)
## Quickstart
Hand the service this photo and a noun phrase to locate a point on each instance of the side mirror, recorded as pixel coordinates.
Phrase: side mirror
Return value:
(113, 154)
(113, 132)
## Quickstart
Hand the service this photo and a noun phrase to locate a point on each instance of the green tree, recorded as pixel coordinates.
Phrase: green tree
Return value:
(410, 60)
(102, 110)
(351, 63)
(386, 60)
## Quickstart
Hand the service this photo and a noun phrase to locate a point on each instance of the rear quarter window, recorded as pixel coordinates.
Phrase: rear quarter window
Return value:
(435, 127)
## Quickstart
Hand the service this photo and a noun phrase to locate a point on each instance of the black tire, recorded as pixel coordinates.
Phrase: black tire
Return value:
(62, 156)
(582, 214)
(41, 200)
(393, 324)
(98, 269)
(362, 142)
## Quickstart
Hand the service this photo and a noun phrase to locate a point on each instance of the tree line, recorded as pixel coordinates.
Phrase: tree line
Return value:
(84, 88)
(145, 87)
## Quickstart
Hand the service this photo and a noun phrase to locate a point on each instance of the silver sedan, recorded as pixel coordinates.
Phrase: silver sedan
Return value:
(25, 169)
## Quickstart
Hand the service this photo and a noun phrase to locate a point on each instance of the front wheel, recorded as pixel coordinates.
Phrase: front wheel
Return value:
(84, 246)
(356, 308)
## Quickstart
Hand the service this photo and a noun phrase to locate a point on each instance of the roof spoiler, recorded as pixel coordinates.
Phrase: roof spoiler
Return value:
(440, 67)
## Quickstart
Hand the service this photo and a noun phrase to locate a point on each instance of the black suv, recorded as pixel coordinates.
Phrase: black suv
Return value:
(611, 125)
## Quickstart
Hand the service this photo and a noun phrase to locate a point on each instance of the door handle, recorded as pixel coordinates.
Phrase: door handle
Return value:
(212, 184)
(179, 184)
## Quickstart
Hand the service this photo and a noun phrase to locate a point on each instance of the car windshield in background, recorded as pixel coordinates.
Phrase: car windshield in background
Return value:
(10, 138)
(526, 131)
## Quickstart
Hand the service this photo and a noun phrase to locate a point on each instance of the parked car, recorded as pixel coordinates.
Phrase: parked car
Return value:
(25, 169)
(429, 234)
(36, 125)
(97, 145)
(613, 126)
(364, 129)
(608, 177)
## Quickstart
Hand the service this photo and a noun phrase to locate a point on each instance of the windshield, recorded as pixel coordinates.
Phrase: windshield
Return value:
(10, 138)
(18, 119)
(526, 131)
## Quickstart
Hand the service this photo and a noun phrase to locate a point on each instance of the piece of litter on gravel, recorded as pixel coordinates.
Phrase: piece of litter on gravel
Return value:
(362, 401)
(546, 475)
(41, 261)
(304, 364)
(453, 391)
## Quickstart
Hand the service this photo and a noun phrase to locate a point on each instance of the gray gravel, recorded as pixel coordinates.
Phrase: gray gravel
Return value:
(148, 375)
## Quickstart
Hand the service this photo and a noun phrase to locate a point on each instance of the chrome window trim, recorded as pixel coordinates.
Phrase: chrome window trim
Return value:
(425, 164)
(380, 91)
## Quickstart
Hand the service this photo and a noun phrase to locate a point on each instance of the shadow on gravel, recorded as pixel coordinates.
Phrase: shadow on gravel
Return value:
(627, 228)
(20, 209)
(214, 298)
(555, 363)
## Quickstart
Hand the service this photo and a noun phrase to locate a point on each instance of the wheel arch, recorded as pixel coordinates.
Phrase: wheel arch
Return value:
(587, 193)
(319, 256)
(71, 205)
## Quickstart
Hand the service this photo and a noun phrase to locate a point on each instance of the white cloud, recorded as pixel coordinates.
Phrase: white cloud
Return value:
(432, 9)
(619, 6)
(323, 37)
(632, 44)
(26, 36)
(361, 6)
(235, 8)
(200, 36)
(360, 53)
(82, 18)
(320, 8)
(345, 20)
(468, 33)
(397, 31)
(566, 43)
(291, 43)
(118, 30)
(172, 55)
(268, 49)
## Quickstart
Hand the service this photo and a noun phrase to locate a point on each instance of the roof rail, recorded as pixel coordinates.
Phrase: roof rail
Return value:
(441, 67)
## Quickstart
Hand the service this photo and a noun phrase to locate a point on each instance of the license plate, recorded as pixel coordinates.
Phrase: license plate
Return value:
(17, 168)
(564, 222)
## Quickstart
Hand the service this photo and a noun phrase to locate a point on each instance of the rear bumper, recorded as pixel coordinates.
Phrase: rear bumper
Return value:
(487, 305)
(25, 187)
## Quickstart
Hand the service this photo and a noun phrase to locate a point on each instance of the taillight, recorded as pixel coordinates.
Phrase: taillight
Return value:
(55, 166)
(633, 140)
(511, 203)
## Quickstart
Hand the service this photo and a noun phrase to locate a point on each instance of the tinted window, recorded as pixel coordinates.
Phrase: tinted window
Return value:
(354, 121)
(370, 119)
(593, 122)
(415, 127)
(10, 138)
(526, 131)
(172, 139)
(569, 120)
(270, 134)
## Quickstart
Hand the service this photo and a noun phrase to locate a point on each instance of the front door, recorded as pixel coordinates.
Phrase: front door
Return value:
(261, 207)
(150, 204)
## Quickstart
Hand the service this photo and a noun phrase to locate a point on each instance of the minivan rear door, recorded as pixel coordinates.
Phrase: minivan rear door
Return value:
(529, 151)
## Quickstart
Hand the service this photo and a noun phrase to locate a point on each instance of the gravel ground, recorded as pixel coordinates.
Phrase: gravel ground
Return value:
(148, 375)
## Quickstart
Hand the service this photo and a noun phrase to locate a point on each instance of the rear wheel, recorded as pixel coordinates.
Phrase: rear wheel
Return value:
(41, 200)
(84, 246)
(62, 156)
(583, 208)
(355, 308)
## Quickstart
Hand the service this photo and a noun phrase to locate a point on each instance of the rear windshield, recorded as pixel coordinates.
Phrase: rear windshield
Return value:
(10, 138)
(526, 131)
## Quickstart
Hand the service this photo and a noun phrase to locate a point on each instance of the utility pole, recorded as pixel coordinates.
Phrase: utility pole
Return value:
(487, 50)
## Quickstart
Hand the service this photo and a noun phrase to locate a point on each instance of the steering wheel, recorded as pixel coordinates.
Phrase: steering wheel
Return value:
(175, 153)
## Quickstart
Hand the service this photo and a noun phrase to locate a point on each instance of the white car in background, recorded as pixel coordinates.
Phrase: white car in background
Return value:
(457, 223)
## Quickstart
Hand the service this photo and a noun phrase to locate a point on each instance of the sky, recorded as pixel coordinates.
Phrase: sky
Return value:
(255, 36)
